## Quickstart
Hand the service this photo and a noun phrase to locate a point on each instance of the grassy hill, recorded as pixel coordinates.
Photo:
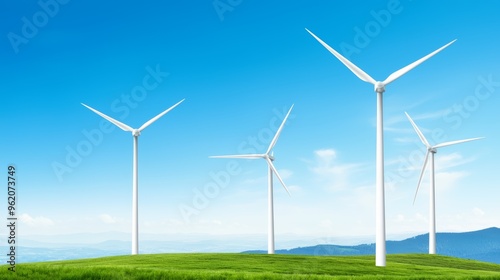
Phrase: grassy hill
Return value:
(248, 266)
(481, 245)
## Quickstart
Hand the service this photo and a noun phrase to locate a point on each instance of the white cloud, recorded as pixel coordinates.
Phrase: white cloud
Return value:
(400, 218)
(448, 180)
(409, 167)
(407, 139)
(408, 222)
(262, 180)
(217, 222)
(327, 167)
(38, 221)
(285, 173)
(445, 161)
(421, 218)
(430, 115)
(467, 219)
(326, 224)
(294, 189)
(107, 219)
(326, 154)
(400, 124)
(478, 212)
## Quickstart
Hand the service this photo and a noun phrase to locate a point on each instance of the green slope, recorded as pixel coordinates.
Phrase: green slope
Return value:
(246, 266)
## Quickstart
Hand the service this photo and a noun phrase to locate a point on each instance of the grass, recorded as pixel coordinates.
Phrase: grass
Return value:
(249, 266)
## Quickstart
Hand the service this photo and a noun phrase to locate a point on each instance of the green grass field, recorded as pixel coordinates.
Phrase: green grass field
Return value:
(247, 266)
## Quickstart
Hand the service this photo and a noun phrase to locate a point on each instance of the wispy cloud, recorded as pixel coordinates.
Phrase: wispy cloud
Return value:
(399, 123)
(107, 219)
(414, 161)
(446, 161)
(416, 222)
(445, 178)
(262, 180)
(294, 189)
(285, 173)
(468, 218)
(336, 175)
(448, 180)
(478, 212)
(39, 221)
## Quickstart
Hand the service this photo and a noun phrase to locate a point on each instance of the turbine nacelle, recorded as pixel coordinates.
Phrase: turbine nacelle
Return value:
(136, 132)
(270, 157)
(432, 150)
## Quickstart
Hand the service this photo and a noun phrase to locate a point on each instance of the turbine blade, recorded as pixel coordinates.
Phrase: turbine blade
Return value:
(421, 175)
(275, 139)
(159, 116)
(419, 133)
(248, 156)
(407, 68)
(456, 142)
(277, 175)
(110, 119)
(354, 69)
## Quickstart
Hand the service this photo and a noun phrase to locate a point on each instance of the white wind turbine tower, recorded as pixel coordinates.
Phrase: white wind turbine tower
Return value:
(135, 180)
(268, 156)
(432, 201)
(379, 88)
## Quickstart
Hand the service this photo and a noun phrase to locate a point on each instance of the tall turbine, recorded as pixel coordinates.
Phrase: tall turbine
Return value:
(268, 156)
(432, 193)
(135, 179)
(379, 88)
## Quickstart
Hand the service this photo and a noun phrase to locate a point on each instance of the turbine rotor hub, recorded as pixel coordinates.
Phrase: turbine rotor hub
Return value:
(379, 87)
(433, 150)
(136, 132)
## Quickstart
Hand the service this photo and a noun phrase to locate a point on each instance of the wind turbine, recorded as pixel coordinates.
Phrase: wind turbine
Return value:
(135, 180)
(432, 201)
(379, 88)
(268, 156)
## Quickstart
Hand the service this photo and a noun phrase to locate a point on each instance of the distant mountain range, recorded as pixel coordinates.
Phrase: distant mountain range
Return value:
(481, 245)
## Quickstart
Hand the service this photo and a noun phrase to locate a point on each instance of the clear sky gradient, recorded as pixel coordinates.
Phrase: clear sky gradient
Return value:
(241, 65)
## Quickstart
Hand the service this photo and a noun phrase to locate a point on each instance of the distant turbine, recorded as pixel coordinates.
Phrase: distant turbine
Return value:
(268, 156)
(432, 201)
(379, 88)
(135, 180)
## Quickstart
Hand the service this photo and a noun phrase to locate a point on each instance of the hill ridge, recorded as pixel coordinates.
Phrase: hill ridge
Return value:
(481, 245)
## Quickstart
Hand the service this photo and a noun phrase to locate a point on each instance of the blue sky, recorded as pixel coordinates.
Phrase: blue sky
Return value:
(241, 65)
